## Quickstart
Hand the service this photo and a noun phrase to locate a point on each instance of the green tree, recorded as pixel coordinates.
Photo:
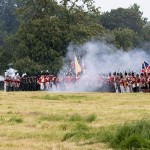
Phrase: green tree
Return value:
(124, 38)
(8, 26)
(5, 59)
(8, 21)
(124, 18)
(47, 29)
(26, 65)
(146, 33)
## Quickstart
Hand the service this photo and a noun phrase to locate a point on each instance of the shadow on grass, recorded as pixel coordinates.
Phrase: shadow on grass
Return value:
(51, 117)
(61, 97)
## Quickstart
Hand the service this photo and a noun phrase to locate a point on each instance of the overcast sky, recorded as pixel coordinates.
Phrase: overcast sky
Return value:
(107, 5)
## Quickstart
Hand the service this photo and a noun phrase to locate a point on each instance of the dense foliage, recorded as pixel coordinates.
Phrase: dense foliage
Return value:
(131, 136)
(35, 34)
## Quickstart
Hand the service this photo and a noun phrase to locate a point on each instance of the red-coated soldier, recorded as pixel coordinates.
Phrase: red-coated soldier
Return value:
(148, 82)
(47, 83)
(68, 79)
(138, 80)
(129, 80)
(134, 82)
(50, 81)
(110, 82)
(41, 81)
(143, 82)
(111, 78)
(117, 85)
(126, 84)
(121, 82)
(7, 84)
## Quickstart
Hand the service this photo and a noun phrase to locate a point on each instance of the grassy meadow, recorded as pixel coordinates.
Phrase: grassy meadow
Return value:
(66, 121)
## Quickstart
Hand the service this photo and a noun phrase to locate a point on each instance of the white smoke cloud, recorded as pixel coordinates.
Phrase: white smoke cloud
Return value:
(100, 57)
(107, 58)
(1, 78)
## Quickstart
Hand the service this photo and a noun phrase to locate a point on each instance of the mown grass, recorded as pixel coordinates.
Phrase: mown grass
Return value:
(75, 121)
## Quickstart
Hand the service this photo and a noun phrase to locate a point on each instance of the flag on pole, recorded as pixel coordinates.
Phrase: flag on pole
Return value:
(145, 67)
(77, 65)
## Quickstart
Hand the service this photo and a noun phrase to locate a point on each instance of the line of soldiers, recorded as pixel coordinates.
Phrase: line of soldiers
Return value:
(11, 84)
(29, 83)
(116, 82)
(48, 82)
(130, 82)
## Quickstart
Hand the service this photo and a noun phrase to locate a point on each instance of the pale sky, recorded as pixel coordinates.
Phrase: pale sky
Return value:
(107, 5)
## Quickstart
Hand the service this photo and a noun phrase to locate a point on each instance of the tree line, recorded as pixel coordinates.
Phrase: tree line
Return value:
(35, 34)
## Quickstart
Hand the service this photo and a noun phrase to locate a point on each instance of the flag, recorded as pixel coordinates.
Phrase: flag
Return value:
(77, 65)
(145, 67)
(148, 68)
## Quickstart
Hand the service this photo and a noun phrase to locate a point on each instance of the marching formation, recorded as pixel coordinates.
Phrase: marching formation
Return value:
(130, 82)
(78, 79)
(116, 82)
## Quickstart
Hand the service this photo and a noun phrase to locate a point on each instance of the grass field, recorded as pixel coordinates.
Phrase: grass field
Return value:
(43, 120)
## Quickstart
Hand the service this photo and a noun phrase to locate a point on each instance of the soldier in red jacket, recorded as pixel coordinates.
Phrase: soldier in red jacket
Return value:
(121, 82)
(117, 81)
(143, 82)
(6, 84)
(138, 80)
(148, 82)
(41, 81)
(129, 80)
(134, 82)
